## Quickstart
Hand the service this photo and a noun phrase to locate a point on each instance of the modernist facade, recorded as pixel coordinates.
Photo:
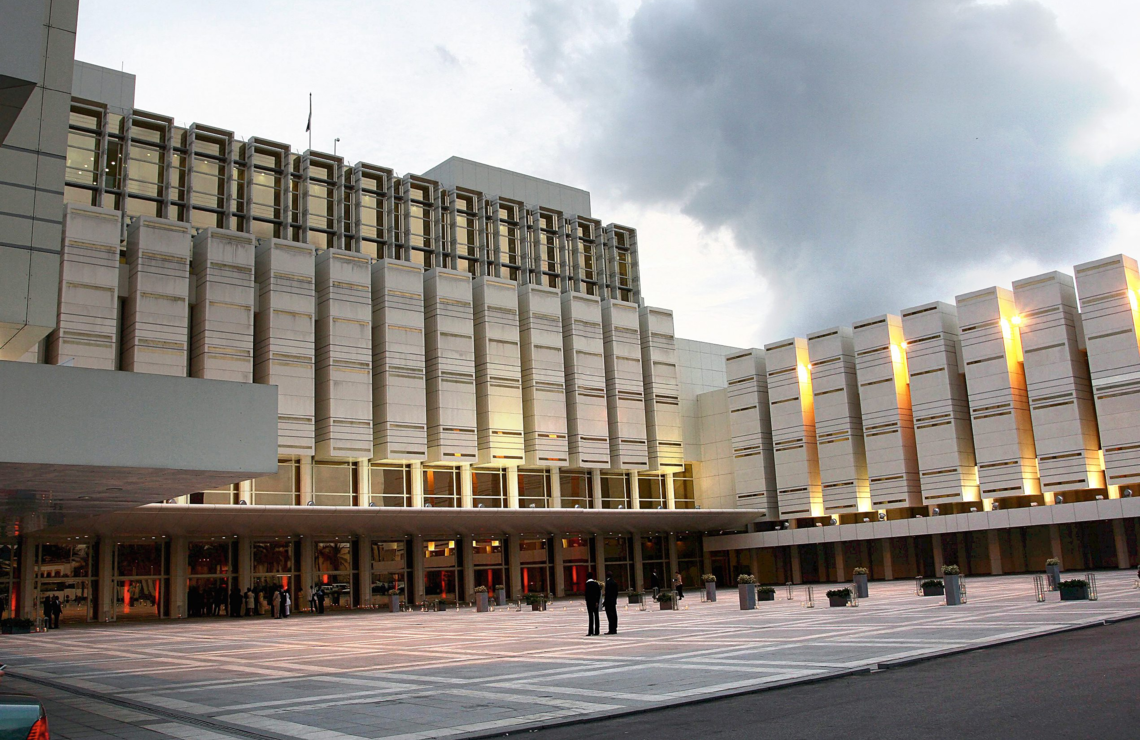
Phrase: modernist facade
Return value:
(236, 364)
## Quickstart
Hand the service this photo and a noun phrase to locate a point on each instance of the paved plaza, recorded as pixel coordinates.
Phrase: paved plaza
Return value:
(423, 675)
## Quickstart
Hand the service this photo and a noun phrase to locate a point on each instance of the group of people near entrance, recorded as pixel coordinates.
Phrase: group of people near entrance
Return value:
(607, 595)
(53, 610)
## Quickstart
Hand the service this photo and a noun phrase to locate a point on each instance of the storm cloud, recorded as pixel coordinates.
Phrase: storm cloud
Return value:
(866, 155)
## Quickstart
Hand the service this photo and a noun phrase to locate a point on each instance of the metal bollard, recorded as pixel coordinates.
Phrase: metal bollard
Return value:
(1039, 588)
(1091, 578)
(788, 585)
(809, 603)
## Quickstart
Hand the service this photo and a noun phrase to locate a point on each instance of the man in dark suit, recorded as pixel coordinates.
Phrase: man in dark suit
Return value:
(593, 596)
(610, 602)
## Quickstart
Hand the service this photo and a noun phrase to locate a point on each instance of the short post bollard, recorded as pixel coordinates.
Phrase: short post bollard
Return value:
(809, 603)
(1039, 588)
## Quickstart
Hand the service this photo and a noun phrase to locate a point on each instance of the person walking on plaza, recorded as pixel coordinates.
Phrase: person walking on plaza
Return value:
(655, 584)
(311, 597)
(277, 603)
(46, 604)
(286, 601)
(611, 603)
(320, 600)
(593, 596)
(56, 612)
(250, 602)
(678, 586)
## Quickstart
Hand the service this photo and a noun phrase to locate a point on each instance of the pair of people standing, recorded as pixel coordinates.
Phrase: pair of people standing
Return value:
(281, 603)
(53, 610)
(594, 594)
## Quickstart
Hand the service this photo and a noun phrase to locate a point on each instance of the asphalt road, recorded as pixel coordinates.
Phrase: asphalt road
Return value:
(1083, 684)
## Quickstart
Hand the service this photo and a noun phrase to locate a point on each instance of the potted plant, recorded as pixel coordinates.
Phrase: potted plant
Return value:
(839, 596)
(394, 601)
(747, 586)
(501, 595)
(16, 626)
(441, 605)
(636, 597)
(933, 587)
(952, 576)
(537, 602)
(1076, 589)
(710, 586)
(481, 598)
(859, 575)
(665, 600)
(765, 593)
(1053, 572)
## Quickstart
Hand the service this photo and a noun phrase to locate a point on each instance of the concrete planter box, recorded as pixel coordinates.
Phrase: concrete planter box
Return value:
(394, 602)
(482, 602)
(501, 596)
(938, 590)
(710, 591)
(837, 600)
(765, 595)
(636, 597)
(953, 589)
(1079, 593)
(747, 596)
(666, 605)
(538, 607)
(1053, 573)
(441, 606)
(860, 585)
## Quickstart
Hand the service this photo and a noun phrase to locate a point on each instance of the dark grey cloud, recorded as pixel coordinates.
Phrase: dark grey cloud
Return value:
(864, 153)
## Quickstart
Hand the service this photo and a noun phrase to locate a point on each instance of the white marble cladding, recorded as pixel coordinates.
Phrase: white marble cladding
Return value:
(945, 441)
(662, 392)
(838, 422)
(1057, 380)
(1108, 292)
(750, 419)
(999, 404)
(888, 424)
(284, 338)
(399, 392)
(156, 316)
(449, 344)
(87, 324)
(793, 428)
(625, 385)
(498, 371)
(543, 376)
(343, 366)
(587, 416)
(221, 340)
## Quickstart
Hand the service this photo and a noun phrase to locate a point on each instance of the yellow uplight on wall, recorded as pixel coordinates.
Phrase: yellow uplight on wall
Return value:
(803, 370)
(896, 353)
(1015, 320)
(1132, 300)
(1006, 330)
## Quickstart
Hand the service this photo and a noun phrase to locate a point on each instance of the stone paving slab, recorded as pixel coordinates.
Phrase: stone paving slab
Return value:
(375, 675)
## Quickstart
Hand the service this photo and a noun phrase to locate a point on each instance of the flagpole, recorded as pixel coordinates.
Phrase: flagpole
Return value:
(309, 128)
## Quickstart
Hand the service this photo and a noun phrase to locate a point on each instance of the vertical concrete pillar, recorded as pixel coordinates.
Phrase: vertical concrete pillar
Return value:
(596, 487)
(936, 548)
(417, 590)
(514, 563)
(995, 552)
(963, 553)
(28, 605)
(308, 578)
(888, 561)
(634, 497)
(1122, 560)
(466, 492)
(797, 574)
(106, 580)
(600, 555)
(468, 545)
(559, 570)
(670, 495)
(1055, 544)
(179, 562)
(638, 563)
(706, 561)
(840, 566)
(245, 491)
(754, 560)
(512, 487)
(417, 491)
(673, 567)
(364, 570)
(555, 489)
(245, 563)
(306, 481)
(363, 470)
(910, 553)
(821, 564)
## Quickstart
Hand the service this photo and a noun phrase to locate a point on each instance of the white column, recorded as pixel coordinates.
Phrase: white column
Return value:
(1122, 559)
(106, 580)
(306, 481)
(596, 487)
(638, 562)
(600, 556)
(555, 488)
(245, 563)
(179, 555)
(308, 578)
(450, 350)
(994, 546)
(673, 566)
(466, 495)
(364, 569)
(586, 413)
(363, 470)
(670, 496)
(559, 568)
(634, 493)
(515, 565)
(417, 491)
(625, 385)
(417, 590)
(245, 491)
(399, 396)
(498, 371)
(838, 422)
(467, 543)
(512, 488)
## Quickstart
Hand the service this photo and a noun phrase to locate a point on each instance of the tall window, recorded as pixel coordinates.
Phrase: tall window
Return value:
(549, 250)
(146, 168)
(466, 233)
(373, 195)
(320, 199)
(588, 258)
(507, 241)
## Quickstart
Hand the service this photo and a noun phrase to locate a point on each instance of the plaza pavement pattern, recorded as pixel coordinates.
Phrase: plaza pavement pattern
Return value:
(372, 674)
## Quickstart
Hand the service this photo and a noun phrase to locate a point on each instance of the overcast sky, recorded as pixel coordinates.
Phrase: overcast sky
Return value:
(790, 165)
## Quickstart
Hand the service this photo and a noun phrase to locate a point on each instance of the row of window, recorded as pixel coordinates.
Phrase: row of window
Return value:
(144, 165)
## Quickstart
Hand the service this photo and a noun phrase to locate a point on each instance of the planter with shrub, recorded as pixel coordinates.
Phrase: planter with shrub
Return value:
(665, 600)
(482, 599)
(394, 602)
(933, 587)
(537, 602)
(501, 595)
(952, 576)
(1053, 572)
(746, 584)
(15, 626)
(859, 575)
(1076, 589)
(710, 586)
(636, 597)
(765, 593)
(839, 596)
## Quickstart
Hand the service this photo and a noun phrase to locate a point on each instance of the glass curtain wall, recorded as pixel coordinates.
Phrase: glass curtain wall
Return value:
(66, 570)
(536, 559)
(650, 491)
(334, 483)
(282, 489)
(577, 561)
(333, 567)
(615, 490)
(441, 487)
(619, 561)
(210, 570)
(489, 489)
(689, 560)
(534, 489)
(655, 559)
(391, 485)
(141, 579)
(9, 581)
(390, 567)
(576, 488)
(443, 571)
(489, 564)
(684, 488)
(275, 564)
